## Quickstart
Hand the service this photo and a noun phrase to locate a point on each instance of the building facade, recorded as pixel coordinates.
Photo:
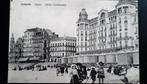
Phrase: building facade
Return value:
(111, 36)
(62, 47)
(36, 42)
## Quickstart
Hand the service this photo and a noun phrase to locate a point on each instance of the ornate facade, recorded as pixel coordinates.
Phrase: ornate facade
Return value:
(111, 36)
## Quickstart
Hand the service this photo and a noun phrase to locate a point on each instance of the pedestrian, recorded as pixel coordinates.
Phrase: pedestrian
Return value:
(84, 72)
(123, 71)
(79, 69)
(93, 75)
(62, 70)
(101, 74)
(88, 75)
(74, 75)
(109, 69)
(66, 69)
(57, 71)
(112, 70)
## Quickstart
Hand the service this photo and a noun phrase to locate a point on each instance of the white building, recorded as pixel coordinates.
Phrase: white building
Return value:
(111, 36)
(62, 47)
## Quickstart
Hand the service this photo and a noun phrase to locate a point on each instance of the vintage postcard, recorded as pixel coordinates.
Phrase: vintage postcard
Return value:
(73, 41)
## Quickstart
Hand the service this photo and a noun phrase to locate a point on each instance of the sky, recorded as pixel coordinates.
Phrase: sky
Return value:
(59, 19)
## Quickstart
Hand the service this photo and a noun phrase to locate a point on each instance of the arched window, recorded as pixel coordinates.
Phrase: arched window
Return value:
(103, 15)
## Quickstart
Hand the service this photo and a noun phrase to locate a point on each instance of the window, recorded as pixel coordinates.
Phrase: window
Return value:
(125, 22)
(126, 28)
(86, 25)
(110, 27)
(120, 27)
(103, 21)
(119, 20)
(85, 43)
(126, 43)
(103, 15)
(125, 9)
(81, 38)
(119, 10)
(120, 35)
(126, 34)
(85, 38)
(113, 26)
(120, 43)
(85, 33)
(81, 33)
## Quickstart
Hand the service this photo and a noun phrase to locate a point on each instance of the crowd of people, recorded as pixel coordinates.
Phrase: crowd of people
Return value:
(117, 70)
(80, 74)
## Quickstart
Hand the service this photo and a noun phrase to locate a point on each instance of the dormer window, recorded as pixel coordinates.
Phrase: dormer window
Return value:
(119, 10)
(125, 9)
(103, 15)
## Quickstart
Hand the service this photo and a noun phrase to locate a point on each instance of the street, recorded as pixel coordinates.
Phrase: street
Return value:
(49, 76)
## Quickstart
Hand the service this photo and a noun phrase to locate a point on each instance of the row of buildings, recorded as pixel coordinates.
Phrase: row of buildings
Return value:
(39, 44)
(110, 37)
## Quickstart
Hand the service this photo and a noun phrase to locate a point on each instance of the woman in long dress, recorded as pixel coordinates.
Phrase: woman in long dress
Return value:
(93, 75)
(101, 74)
(74, 75)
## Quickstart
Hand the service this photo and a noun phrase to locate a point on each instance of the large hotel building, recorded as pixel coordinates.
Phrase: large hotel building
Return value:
(110, 37)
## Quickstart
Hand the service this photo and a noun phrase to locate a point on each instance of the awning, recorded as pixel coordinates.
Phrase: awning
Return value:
(22, 59)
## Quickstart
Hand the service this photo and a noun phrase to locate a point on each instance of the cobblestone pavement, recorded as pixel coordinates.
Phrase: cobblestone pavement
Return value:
(49, 76)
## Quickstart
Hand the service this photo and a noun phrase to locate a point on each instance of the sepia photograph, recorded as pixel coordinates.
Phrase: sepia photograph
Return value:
(74, 41)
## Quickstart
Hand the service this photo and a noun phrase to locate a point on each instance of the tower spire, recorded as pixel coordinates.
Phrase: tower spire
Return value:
(83, 16)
